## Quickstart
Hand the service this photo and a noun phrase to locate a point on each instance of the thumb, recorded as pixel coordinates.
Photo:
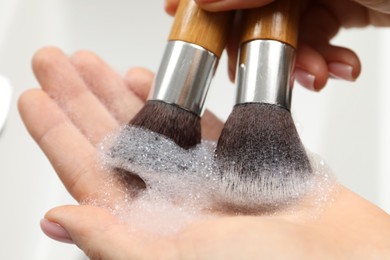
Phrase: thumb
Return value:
(95, 231)
(223, 5)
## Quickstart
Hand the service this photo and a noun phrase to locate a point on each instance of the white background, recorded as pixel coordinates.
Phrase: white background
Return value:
(348, 124)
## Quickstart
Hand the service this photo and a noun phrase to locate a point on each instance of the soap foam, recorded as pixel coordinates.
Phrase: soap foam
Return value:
(166, 168)
(182, 186)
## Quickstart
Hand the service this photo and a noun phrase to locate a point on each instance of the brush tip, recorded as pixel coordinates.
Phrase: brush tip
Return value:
(260, 154)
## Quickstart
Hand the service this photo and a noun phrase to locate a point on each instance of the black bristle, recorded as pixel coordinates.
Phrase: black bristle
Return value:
(260, 153)
(180, 125)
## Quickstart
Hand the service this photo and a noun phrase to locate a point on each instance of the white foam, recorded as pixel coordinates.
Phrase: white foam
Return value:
(166, 169)
(185, 185)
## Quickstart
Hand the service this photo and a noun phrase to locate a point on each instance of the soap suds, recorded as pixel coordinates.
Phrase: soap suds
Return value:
(181, 186)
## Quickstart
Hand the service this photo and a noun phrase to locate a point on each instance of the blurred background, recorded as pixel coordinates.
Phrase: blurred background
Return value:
(348, 124)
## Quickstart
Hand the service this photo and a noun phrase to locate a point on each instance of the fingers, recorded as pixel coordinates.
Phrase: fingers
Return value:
(91, 228)
(61, 81)
(311, 69)
(71, 154)
(55, 231)
(211, 126)
(380, 6)
(171, 6)
(218, 5)
(314, 65)
(342, 62)
(100, 235)
(139, 81)
(223, 5)
(107, 85)
(317, 59)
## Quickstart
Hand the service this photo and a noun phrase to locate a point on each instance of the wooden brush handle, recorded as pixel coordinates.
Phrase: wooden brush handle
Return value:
(276, 21)
(206, 29)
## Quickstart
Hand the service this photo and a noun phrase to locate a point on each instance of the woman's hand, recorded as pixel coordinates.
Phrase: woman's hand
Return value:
(317, 59)
(82, 100)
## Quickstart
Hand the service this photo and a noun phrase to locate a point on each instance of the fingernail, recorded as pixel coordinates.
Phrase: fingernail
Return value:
(340, 70)
(305, 79)
(55, 231)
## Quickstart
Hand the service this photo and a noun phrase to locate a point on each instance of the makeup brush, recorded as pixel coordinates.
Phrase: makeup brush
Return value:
(195, 44)
(259, 152)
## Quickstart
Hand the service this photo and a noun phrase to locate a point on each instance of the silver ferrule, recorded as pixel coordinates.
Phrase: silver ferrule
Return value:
(264, 73)
(184, 76)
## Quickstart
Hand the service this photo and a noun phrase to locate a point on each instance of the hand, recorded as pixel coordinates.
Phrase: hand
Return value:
(317, 59)
(75, 110)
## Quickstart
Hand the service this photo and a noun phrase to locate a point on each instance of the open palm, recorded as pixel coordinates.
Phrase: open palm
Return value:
(82, 100)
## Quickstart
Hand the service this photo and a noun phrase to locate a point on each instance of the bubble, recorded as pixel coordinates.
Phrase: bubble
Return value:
(166, 168)
(182, 186)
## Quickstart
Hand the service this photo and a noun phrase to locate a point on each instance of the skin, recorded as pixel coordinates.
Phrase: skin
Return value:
(78, 112)
(317, 59)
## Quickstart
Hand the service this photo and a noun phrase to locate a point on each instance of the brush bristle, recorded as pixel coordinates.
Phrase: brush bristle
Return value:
(260, 155)
(182, 126)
